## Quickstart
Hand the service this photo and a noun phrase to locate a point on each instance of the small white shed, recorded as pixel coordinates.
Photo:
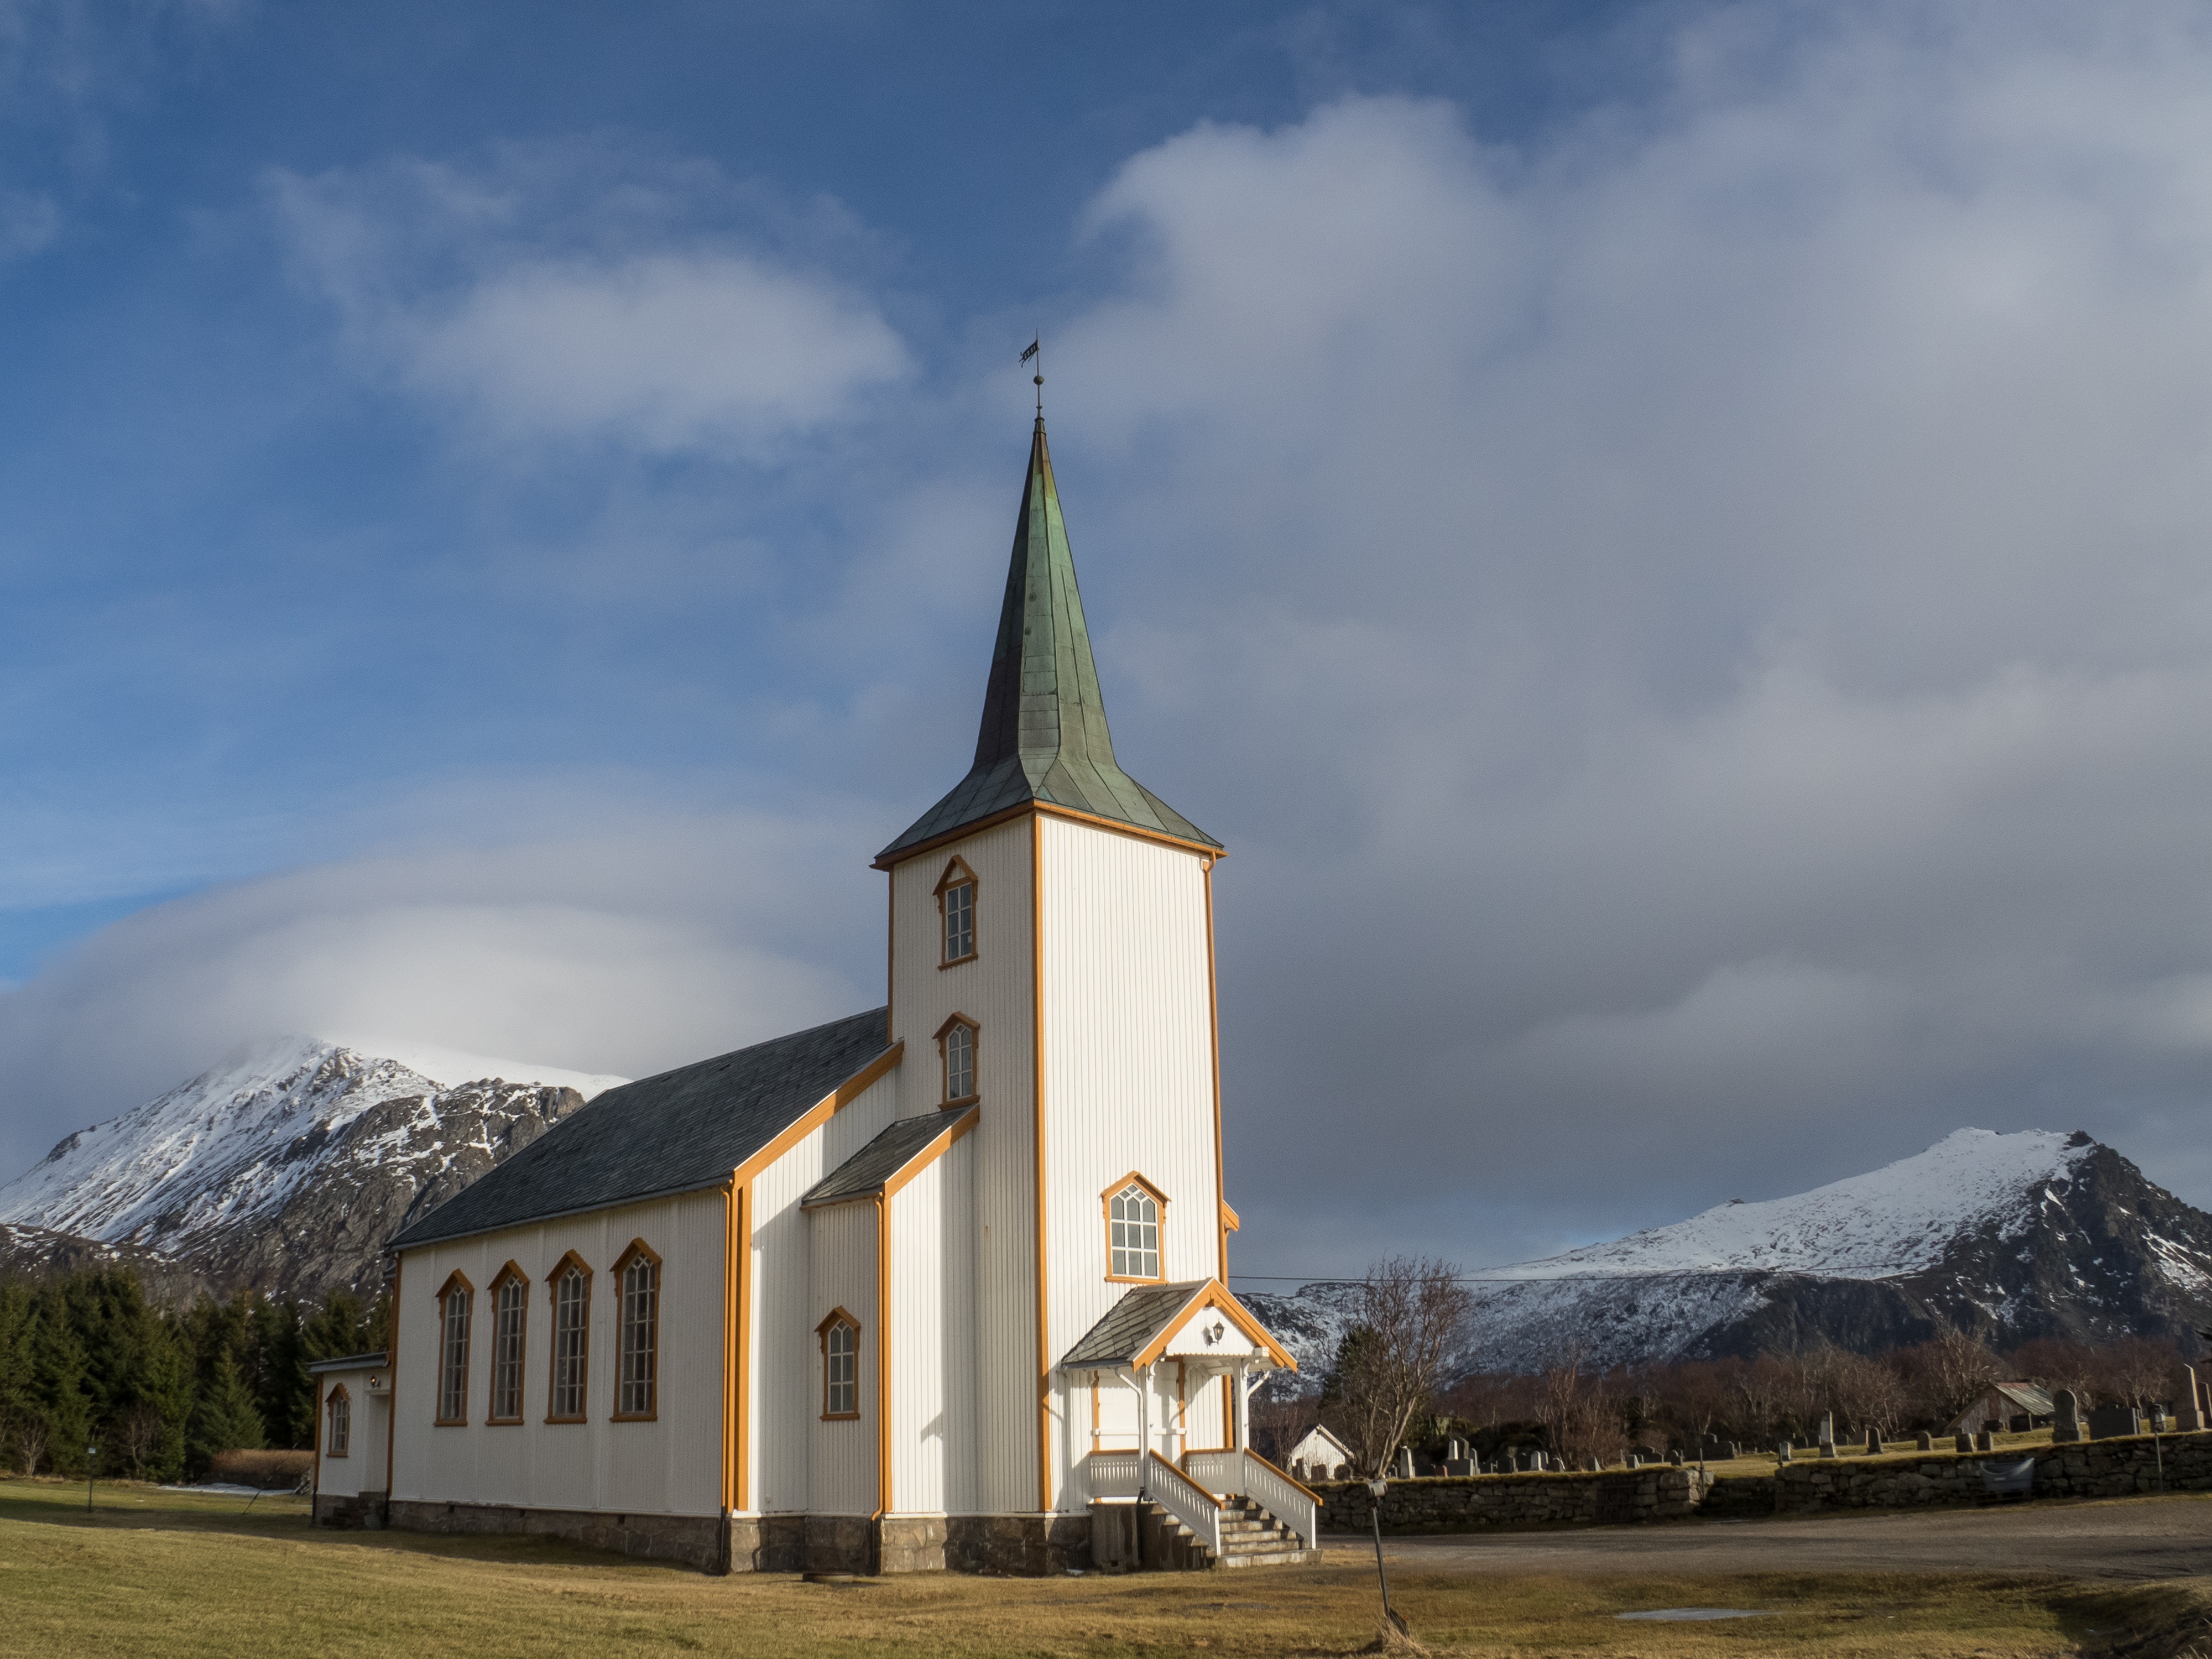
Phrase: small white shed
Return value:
(1319, 1456)
(353, 1435)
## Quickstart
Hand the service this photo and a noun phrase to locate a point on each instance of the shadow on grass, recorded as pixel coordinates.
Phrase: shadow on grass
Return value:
(128, 1506)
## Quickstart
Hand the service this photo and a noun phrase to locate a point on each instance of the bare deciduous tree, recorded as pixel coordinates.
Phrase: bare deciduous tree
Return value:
(31, 1439)
(1410, 1321)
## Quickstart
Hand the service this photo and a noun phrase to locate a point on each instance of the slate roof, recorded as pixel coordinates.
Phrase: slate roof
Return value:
(2029, 1398)
(864, 1174)
(675, 1132)
(1043, 735)
(1130, 1324)
(352, 1362)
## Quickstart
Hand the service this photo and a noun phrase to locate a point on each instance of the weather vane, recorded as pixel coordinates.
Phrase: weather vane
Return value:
(1036, 351)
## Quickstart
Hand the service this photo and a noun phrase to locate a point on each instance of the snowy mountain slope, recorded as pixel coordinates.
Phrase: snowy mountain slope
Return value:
(287, 1166)
(1896, 1220)
(2008, 1236)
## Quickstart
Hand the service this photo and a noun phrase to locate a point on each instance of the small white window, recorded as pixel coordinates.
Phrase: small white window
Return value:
(1133, 1225)
(960, 922)
(339, 1441)
(956, 907)
(960, 1063)
(840, 1368)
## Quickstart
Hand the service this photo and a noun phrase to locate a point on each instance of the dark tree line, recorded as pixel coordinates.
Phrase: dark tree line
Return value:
(87, 1361)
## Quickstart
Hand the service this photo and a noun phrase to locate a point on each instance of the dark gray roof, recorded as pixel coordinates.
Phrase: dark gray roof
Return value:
(1044, 736)
(863, 1174)
(675, 1132)
(1130, 1324)
(352, 1362)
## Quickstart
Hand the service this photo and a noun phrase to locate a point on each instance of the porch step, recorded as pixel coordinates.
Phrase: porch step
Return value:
(1250, 1537)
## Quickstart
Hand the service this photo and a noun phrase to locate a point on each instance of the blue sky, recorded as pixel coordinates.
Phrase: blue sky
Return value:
(1670, 541)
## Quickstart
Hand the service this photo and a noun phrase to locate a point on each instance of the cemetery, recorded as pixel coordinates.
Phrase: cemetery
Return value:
(2106, 1453)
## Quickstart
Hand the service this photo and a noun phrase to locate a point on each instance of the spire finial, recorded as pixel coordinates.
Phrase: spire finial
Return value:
(1036, 351)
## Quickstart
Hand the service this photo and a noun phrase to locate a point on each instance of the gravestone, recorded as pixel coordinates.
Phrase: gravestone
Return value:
(1728, 1452)
(1874, 1443)
(1405, 1463)
(2068, 1423)
(1531, 1461)
(1633, 1462)
(2114, 1420)
(1595, 1464)
(2192, 1416)
(1782, 1450)
(1454, 1450)
(1927, 1442)
(1675, 1458)
(2158, 1423)
(1827, 1428)
(1985, 1441)
(1962, 1443)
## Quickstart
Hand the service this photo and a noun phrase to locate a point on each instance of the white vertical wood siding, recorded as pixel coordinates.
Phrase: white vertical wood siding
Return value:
(997, 991)
(842, 1464)
(1129, 1051)
(784, 1392)
(669, 1466)
(931, 1310)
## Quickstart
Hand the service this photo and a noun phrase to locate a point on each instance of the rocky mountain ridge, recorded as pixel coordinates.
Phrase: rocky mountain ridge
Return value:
(284, 1169)
(2009, 1237)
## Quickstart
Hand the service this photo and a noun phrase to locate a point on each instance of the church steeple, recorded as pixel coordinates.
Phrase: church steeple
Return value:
(1044, 737)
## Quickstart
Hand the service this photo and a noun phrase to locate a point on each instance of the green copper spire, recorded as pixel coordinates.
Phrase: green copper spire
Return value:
(1044, 735)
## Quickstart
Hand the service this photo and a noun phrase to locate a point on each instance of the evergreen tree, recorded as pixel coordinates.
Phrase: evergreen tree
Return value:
(15, 1368)
(58, 1403)
(225, 1418)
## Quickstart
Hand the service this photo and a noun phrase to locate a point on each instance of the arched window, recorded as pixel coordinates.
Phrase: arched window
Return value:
(840, 1364)
(637, 1378)
(1134, 1207)
(956, 911)
(455, 1302)
(510, 1309)
(571, 1288)
(956, 1044)
(339, 1408)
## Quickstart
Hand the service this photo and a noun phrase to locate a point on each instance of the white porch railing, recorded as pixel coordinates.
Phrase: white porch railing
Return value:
(1248, 1475)
(1182, 1497)
(1114, 1474)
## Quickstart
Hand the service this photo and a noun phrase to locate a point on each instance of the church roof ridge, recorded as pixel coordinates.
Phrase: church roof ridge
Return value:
(676, 1131)
(1044, 737)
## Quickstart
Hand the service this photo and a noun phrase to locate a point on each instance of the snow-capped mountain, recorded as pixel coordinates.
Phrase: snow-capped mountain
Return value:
(2008, 1236)
(287, 1166)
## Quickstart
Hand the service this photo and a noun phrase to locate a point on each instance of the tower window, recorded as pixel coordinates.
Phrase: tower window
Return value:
(572, 1303)
(955, 1040)
(841, 1365)
(1132, 1231)
(956, 910)
(453, 1306)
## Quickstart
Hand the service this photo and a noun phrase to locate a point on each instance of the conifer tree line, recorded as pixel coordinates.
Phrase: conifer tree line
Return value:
(87, 1361)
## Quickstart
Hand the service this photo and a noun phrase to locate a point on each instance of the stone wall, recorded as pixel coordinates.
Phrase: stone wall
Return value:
(364, 1512)
(1473, 1503)
(697, 1540)
(2086, 1469)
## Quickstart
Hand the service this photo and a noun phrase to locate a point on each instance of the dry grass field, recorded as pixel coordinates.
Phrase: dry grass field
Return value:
(153, 1573)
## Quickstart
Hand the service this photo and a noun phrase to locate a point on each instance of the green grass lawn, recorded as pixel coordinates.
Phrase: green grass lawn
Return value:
(153, 1573)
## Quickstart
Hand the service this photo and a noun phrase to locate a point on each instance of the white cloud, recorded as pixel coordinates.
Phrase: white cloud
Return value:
(1707, 615)
(625, 948)
(550, 297)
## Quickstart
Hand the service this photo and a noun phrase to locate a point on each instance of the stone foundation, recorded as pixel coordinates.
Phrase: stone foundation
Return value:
(1014, 1545)
(703, 1541)
(1017, 1546)
(364, 1512)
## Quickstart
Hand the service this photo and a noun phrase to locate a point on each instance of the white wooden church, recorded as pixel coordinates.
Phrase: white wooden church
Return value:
(938, 1285)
